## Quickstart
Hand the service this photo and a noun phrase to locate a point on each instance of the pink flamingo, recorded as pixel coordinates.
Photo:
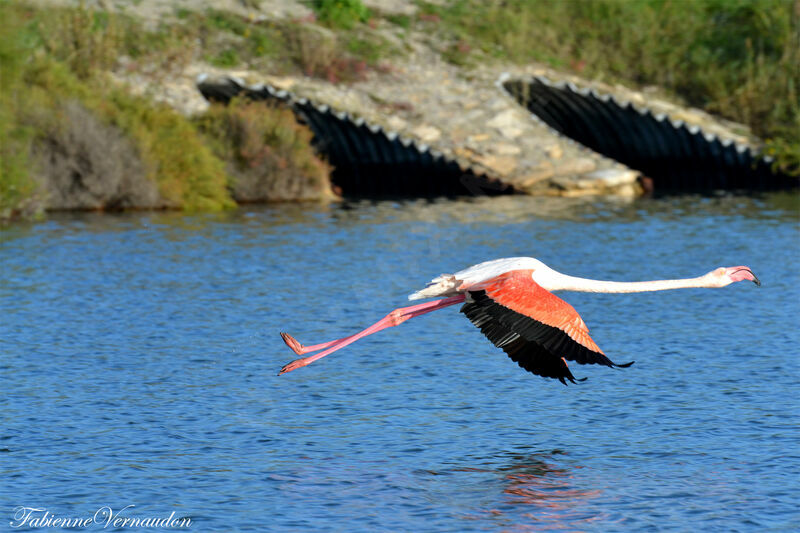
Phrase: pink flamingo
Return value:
(510, 301)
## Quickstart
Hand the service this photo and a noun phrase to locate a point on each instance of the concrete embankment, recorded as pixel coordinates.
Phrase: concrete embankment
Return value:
(663, 153)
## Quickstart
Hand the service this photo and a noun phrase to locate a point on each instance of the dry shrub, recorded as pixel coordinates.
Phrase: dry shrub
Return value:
(320, 54)
(269, 155)
(83, 163)
(312, 49)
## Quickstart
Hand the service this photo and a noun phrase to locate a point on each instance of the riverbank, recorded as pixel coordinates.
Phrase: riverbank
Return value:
(417, 69)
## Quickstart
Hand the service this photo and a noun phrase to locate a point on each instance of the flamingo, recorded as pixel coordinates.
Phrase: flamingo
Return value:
(512, 302)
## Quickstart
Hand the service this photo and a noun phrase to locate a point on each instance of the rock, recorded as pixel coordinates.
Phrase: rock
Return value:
(427, 134)
(281, 82)
(506, 119)
(392, 7)
(478, 138)
(576, 166)
(542, 172)
(511, 132)
(507, 123)
(502, 165)
(555, 152)
(617, 181)
(506, 149)
(396, 123)
(612, 177)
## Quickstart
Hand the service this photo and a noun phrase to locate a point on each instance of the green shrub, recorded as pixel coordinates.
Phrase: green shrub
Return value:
(341, 13)
(269, 154)
(19, 193)
(55, 106)
(86, 40)
(188, 174)
(226, 58)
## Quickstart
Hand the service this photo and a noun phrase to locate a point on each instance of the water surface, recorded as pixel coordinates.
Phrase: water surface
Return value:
(138, 356)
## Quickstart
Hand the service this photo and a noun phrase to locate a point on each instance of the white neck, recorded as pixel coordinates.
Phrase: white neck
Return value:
(570, 283)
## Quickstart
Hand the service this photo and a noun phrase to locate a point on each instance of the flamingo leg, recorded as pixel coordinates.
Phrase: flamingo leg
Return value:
(395, 318)
(299, 349)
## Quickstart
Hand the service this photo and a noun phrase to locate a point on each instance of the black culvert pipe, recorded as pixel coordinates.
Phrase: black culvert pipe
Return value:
(367, 160)
(675, 156)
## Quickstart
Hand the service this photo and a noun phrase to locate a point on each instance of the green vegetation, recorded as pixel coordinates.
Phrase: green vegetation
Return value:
(56, 62)
(736, 58)
(326, 51)
(59, 104)
(229, 40)
(267, 152)
(188, 174)
(18, 192)
(341, 13)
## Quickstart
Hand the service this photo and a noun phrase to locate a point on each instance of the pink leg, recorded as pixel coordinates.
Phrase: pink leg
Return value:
(395, 318)
(299, 349)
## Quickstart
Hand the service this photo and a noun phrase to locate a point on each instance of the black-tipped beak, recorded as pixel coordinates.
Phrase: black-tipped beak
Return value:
(755, 278)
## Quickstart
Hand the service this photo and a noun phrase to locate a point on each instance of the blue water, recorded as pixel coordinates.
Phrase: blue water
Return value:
(138, 360)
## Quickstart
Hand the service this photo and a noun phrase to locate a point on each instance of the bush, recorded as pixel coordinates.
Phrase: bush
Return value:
(341, 13)
(188, 174)
(83, 163)
(19, 193)
(70, 138)
(268, 154)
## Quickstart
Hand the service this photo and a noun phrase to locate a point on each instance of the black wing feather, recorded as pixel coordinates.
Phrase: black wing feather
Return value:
(536, 347)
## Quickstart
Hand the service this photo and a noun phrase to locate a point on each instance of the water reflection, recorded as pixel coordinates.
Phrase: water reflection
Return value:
(535, 480)
(514, 209)
(492, 210)
(538, 491)
(487, 210)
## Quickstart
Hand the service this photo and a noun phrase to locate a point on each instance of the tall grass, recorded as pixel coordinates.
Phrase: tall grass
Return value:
(737, 58)
(18, 191)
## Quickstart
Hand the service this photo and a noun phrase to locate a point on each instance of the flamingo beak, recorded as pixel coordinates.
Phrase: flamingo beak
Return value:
(743, 273)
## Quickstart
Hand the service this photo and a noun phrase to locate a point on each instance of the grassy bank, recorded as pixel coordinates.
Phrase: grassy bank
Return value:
(736, 58)
(71, 138)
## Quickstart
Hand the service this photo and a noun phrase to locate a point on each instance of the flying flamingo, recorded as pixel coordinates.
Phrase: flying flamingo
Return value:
(510, 301)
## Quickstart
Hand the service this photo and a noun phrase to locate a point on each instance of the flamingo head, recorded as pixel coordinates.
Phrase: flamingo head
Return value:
(724, 276)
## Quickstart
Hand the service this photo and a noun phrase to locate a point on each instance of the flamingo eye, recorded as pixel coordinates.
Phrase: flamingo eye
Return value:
(720, 271)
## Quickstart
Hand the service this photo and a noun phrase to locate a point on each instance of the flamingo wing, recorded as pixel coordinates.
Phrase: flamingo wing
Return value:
(537, 329)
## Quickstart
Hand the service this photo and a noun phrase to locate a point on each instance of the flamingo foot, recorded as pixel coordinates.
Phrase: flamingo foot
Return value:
(292, 343)
(294, 365)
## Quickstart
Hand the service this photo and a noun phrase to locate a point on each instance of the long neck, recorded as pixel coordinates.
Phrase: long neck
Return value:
(570, 283)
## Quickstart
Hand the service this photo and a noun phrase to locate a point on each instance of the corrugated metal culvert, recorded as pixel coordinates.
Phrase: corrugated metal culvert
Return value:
(367, 160)
(676, 156)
